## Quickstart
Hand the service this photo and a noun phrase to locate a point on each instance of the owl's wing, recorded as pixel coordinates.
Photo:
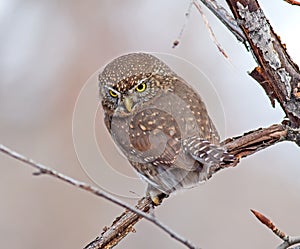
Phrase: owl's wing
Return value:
(206, 152)
(157, 149)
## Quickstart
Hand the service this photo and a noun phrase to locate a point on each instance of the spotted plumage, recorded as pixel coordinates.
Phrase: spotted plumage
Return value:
(159, 122)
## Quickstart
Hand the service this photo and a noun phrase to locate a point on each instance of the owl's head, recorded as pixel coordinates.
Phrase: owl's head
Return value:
(131, 80)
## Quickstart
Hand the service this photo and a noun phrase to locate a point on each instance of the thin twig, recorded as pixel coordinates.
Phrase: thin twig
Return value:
(42, 169)
(210, 30)
(187, 16)
(266, 221)
(287, 240)
(221, 13)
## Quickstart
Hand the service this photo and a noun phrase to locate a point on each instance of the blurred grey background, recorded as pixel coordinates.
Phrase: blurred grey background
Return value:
(49, 50)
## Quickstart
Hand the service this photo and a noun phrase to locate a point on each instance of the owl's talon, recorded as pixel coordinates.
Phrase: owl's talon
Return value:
(155, 195)
(156, 200)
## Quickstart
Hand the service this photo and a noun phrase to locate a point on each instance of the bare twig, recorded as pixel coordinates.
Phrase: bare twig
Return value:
(187, 16)
(266, 221)
(42, 169)
(293, 2)
(221, 13)
(211, 32)
(287, 240)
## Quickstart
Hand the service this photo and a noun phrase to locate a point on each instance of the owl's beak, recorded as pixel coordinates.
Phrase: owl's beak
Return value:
(128, 103)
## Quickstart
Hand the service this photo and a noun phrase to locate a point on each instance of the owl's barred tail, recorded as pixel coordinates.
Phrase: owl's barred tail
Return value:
(206, 152)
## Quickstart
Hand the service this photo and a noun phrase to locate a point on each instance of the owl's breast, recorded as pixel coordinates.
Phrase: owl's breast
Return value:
(154, 134)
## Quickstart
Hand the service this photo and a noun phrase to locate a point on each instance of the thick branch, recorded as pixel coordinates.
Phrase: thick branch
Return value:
(277, 73)
(256, 140)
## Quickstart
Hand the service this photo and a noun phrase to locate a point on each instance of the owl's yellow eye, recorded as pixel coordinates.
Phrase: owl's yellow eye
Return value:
(141, 87)
(113, 94)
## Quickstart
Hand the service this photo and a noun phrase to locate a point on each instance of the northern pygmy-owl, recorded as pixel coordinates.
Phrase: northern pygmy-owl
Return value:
(159, 122)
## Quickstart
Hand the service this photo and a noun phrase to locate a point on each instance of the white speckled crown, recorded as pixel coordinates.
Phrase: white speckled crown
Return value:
(130, 65)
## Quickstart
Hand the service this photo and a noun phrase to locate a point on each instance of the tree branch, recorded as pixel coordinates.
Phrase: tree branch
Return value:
(210, 30)
(276, 72)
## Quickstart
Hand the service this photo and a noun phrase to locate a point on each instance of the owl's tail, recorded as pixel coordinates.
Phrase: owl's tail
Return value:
(205, 152)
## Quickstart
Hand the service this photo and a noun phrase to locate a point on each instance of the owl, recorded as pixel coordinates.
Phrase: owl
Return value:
(160, 124)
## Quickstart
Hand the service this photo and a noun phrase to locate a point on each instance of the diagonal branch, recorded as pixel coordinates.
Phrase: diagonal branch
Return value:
(138, 213)
(210, 30)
